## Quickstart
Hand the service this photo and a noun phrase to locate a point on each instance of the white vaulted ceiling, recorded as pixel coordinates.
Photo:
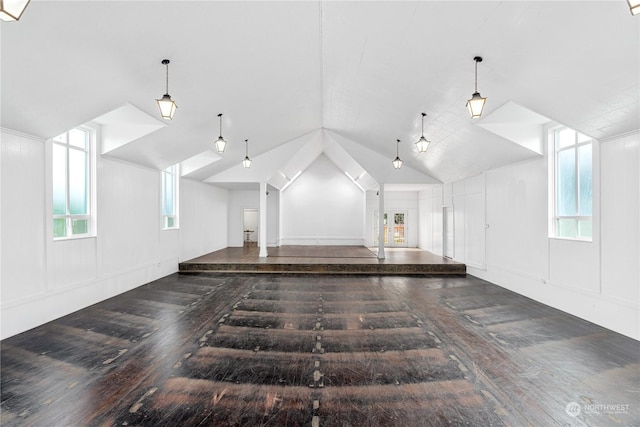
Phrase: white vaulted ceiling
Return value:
(299, 79)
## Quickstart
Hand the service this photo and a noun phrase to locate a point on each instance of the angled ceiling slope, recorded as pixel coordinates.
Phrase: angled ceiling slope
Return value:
(123, 125)
(290, 159)
(364, 71)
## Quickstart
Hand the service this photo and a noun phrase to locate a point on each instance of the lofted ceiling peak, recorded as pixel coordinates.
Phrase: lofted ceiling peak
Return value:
(341, 78)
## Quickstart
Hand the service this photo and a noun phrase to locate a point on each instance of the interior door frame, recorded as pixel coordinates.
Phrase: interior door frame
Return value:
(389, 237)
(244, 227)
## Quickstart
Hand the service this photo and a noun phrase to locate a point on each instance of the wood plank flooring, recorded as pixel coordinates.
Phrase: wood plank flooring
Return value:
(323, 260)
(319, 350)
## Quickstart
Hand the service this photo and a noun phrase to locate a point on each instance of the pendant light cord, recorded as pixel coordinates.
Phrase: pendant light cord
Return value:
(246, 148)
(167, 82)
(476, 88)
(220, 115)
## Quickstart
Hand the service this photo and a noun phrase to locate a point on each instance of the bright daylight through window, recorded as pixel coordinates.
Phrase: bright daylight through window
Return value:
(573, 184)
(170, 197)
(71, 178)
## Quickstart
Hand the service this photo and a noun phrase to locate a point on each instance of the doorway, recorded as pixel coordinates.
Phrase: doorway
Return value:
(395, 228)
(250, 226)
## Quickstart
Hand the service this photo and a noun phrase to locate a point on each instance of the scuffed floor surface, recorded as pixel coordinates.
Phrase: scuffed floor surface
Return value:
(272, 350)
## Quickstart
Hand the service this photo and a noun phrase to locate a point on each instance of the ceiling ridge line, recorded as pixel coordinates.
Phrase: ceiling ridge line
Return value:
(321, 54)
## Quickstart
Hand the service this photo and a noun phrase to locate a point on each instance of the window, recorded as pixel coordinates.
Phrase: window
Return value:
(72, 183)
(573, 184)
(170, 197)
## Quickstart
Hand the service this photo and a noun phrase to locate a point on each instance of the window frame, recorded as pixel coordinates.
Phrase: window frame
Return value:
(555, 150)
(90, 168)
(174, 172)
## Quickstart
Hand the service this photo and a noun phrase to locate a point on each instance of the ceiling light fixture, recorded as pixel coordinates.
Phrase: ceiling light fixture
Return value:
(11, 10)
(220, 142)
(397, 163)
(247, 161)
(167, 106)
(476, 103)
(634, 6)
(423, 143)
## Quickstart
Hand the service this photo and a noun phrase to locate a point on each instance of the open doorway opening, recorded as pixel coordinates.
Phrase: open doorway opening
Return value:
(395, 228)
(250, 225)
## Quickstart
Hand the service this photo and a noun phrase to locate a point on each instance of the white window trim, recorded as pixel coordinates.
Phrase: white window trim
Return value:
(553, 171)
(92, 196)
(176, 198)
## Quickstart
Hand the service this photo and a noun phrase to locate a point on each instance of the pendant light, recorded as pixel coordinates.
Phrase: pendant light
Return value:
(11, 10)
(476, 103)
(220, 142)
(397, 163)
(167, 106)
(423, 143)
(247, 161)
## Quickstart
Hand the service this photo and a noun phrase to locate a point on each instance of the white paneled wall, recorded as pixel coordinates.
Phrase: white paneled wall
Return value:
(22, 200)
(322, 207)
(203, 218)
(430, 226)
(42, 279)
(620, 226)
(599, 280)
(128, 216)
(517, 238)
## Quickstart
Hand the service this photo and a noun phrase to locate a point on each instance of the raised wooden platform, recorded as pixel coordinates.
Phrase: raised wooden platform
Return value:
(323, 260)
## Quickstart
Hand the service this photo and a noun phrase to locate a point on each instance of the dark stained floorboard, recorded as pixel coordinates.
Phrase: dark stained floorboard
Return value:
(296, 350)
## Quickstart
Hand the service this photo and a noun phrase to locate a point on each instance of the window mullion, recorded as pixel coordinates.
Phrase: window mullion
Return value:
(68, 221)
(577, 174)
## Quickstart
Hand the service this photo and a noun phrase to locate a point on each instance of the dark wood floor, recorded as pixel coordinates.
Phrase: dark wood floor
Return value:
(323, 260)
(294, 350)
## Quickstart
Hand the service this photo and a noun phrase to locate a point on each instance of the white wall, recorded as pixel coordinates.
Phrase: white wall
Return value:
(599, 280)
(42, 279)
(322, 207)
(203, 218)
(243, 199)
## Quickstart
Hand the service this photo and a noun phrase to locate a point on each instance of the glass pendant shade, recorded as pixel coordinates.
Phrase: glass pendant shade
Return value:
(167, 107)
(634, 6)
(397, 163)
(475, 105)
(422, 144)
(11, 10)
(247, 161)
(220, 144)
